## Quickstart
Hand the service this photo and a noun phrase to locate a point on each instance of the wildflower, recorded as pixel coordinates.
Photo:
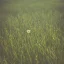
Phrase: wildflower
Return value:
(28, 31)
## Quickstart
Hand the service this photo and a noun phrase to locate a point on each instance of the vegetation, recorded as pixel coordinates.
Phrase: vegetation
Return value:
(43, 44)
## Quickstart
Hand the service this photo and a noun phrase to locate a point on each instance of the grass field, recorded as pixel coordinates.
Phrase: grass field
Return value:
(44, 41)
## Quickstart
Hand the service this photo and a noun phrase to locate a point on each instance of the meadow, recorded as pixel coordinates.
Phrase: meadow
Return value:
(43, 44)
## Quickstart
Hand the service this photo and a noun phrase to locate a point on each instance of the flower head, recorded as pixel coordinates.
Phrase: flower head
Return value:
(28, 31)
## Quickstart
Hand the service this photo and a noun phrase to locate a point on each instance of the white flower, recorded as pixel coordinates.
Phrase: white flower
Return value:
(28, 31)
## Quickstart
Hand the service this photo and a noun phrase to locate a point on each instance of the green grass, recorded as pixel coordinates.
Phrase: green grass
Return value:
(43, 45)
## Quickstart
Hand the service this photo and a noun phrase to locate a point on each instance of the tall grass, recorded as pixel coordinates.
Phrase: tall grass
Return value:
(43, 45)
